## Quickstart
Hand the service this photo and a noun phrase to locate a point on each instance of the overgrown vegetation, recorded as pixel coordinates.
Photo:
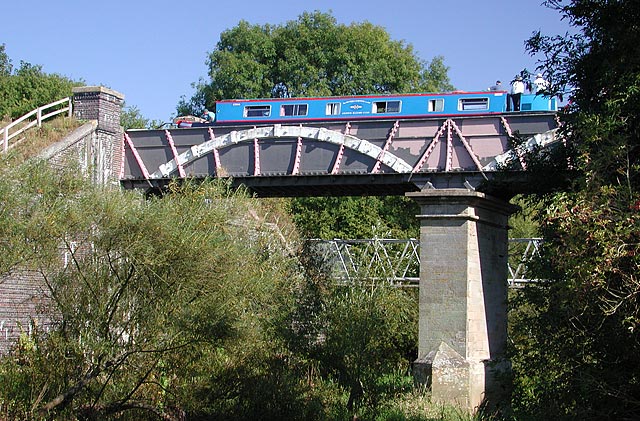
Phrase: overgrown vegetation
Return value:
(577, 348)
(191, 306)
(356, 217)
(35, 140)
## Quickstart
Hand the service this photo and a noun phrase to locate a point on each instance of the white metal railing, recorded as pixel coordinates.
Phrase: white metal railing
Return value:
(398, 260)
(41, 114)
(521, 251)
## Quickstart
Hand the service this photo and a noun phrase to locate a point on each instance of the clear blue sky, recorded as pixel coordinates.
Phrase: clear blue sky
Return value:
(152, 51)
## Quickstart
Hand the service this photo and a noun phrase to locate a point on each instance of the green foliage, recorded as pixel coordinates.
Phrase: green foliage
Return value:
(131, 118)
(28, 87)
(356, 217)
(522, 224)
(5, 62)
(358, 335)
(313, 56)
(567, 324)
(417, 406)
(181, 306)
(159, 314)
(576, 353)
(152, 286)
(367, 329)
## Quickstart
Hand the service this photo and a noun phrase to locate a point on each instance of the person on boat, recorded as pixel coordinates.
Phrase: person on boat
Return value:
(497, 86)
(540, 84)
(517, 89)
(209, 116)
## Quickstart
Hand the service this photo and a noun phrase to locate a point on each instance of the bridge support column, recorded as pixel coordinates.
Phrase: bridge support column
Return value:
(463, 296)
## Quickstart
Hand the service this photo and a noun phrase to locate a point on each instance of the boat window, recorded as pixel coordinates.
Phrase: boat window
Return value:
(386, 107)
(293, 109)
(436, 105)
(333, 108)
(471, 104)
(257, 110)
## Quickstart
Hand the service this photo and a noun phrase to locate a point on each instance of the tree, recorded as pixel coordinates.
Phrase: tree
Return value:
(5, 62)
(356, 217)
(368, 329)
(28, 87)
(152, 298)
(358, 335)
(577, 344)
(132, 118)
(313, 56)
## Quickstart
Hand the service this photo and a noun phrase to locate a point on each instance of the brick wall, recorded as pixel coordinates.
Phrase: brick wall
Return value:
(22, 297)
(98, 103)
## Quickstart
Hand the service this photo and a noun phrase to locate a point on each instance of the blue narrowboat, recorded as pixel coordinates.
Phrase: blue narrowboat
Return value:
(368, 107)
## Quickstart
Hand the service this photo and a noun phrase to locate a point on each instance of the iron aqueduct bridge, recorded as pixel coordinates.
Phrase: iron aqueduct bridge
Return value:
(450, 166)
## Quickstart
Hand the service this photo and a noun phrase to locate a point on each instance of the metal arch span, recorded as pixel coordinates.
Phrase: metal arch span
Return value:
(540, 140)
(278, 131)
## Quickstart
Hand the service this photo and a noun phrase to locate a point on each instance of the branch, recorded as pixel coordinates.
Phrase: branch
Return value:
(64, 398)
(81, 275)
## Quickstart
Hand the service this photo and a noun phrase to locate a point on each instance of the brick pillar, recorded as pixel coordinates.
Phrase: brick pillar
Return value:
(105, 106)
(463, 295)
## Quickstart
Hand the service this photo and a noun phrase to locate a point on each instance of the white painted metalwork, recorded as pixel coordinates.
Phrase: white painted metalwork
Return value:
(174, 151)
(425, 156)
(298, 157)
(386, 146)
(509, 132)
(216, 154)
(521, 251)
(540, 140)
(397, 261)
(251, 135)
(256, 157)
(465, 143)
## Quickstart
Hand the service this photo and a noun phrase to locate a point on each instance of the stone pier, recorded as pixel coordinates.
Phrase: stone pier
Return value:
(463, 296)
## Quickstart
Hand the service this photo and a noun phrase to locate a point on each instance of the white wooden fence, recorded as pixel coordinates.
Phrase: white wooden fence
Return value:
(41, 113)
